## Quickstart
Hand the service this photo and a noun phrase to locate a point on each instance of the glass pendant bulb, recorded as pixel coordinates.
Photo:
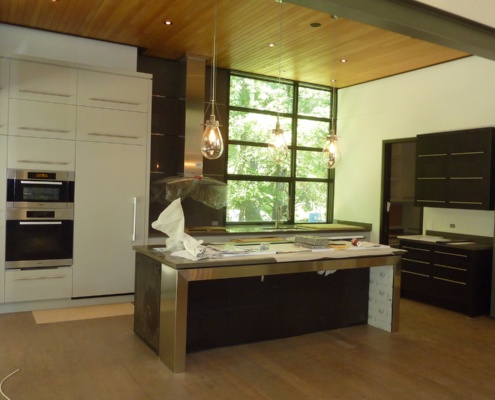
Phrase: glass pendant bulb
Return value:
(331, 151)
(278, 146)
(211, 141)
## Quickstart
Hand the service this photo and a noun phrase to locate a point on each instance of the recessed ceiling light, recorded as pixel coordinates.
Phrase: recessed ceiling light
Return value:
(271, 44)
(314, 24)
(168, 22)
(344, 60)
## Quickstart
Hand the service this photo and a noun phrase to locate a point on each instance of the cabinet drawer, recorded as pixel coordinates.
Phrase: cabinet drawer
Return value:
(451, 258)
(416, 267)
(417, 252)
(450, 274)
(100, 89)
(43, 82)
(44, 284)
(39, 119)
(111, 126)
(37, 153)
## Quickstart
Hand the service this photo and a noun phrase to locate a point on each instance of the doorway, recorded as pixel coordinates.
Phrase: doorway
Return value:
(399, 215)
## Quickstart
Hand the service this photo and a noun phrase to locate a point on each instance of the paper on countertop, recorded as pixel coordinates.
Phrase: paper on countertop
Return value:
(171, 222)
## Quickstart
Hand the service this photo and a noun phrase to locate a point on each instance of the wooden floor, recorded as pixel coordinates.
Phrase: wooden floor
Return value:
(436, 355)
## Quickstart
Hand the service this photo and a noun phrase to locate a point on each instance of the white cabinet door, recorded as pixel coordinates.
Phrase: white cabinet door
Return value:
(43, 82)
(112, 126)
(38, 153)
(4, 95)
(107, 222)
(122, 92)
(3, 195)
(48, 120)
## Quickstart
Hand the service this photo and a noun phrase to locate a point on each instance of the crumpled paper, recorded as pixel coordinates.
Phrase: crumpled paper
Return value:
(171, 222)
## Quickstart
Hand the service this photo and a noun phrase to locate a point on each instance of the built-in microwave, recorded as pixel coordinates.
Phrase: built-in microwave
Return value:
(40, 189)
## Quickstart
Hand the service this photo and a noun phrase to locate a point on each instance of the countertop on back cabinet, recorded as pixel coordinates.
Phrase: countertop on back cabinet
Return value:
(467, 242)
(285, 229)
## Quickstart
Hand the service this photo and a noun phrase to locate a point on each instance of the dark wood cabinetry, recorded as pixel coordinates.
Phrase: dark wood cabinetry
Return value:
(455, 169)
(447, 275)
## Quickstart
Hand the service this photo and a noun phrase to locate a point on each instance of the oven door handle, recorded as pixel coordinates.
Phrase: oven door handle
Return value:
(41, 183)
(40, 222)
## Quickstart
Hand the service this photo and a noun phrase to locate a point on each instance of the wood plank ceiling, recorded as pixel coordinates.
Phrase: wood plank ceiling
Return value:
(244, 31)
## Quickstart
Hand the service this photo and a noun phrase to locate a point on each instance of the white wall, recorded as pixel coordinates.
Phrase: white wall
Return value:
(450, 96)
(35, 43)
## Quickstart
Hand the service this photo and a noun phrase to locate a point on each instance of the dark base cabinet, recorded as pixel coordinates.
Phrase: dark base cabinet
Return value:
(227, 312)
(447, 276)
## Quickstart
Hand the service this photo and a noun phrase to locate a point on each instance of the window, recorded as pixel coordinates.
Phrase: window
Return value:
(298, 189)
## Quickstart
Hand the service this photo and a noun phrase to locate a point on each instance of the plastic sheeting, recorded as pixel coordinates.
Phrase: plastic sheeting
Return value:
(208, 191)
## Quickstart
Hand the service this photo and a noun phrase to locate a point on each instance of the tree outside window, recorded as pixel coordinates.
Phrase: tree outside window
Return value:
(298, 189)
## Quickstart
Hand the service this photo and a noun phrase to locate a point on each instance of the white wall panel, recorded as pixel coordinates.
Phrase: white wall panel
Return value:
(450, 96)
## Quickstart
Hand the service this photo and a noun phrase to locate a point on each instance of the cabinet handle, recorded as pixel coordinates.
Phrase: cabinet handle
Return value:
(44, 93)
(43, 130)
(478, 203)
(42, 183)
(467, 153)
(433, 155)
(430, 201)
(43, 162)
(451, 254)
(115, 135)
(129, 103)
(415, 273)
(134, 213)
(433, 178)
(415, 261)
(450, 267)
(40, 223)
(449, 280)
(31, 278)
(415, 248)
(466, 177)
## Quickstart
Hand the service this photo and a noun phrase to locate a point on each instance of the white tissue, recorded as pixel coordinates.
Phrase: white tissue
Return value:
(171, 222)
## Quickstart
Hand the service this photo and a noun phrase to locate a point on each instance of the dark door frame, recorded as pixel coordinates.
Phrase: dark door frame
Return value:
(386, 184)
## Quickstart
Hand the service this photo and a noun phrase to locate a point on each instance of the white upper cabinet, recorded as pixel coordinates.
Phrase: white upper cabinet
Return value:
(111, 126)
(4, 95)
(40, 119)
(41, 153)
(121, 92)
(43, 82)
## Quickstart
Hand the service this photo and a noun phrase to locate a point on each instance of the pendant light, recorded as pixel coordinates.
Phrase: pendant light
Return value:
(278, 146)
(331, 150)
(211, 141)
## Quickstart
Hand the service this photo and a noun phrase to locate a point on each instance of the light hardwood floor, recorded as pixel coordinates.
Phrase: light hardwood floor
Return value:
(437, 355)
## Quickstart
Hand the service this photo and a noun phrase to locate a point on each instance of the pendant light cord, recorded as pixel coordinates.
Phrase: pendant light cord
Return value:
(214, 62)
(280, 53)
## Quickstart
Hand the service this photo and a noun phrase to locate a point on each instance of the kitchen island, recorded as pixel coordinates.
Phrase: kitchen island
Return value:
(170, 278)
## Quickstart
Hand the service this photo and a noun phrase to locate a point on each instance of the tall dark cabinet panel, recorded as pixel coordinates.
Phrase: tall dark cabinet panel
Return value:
(456, 169)
(167, 137)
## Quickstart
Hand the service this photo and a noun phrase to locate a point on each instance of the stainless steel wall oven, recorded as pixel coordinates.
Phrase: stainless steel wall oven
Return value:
(40, 189)
(39, 219)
